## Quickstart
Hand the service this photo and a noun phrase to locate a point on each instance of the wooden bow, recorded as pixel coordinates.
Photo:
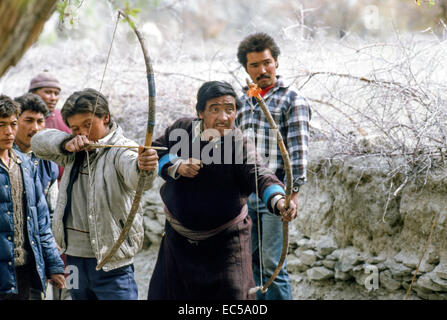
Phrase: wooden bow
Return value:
(147, 143)
(254, 91)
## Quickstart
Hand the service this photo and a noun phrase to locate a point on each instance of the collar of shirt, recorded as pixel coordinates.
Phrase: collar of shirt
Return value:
(278, 84)
(30, 153)
(12, 158)
(107, 138)
(265, 90)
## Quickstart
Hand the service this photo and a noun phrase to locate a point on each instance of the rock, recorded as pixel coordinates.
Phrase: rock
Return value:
(426, 295)
(153, 226)
(398, 270)
(440, 282)
(426, 267)
(325, 246)
(308, 257)
(404, 279)
(375, 260)
(342, 267)
(295, 265)
(347, 263)
(329, 264)
(331, 257)
(406, 284)
(412, 262)
(405, 259)
(347, 259)
(150, 212)
(161, 218)
(298, 252)
(150, 239)
(306, 244)
(146, 242)
(360, 277)
(381, 266)
(367, 276)
(342, 275)
(387, 281)
(441, 271)
(433, 257)
(358, 268)
(439, 296)
(335, 255)
(319, 256)
(424, 282)
(295, 279)
(319, 273)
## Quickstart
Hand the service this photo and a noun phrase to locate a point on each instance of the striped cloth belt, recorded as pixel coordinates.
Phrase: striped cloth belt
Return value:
(203, 235)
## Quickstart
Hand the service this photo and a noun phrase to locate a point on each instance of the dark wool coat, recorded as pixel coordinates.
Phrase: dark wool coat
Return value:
(220, 266)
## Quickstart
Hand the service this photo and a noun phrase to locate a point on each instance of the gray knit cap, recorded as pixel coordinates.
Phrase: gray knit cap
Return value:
(44, 80)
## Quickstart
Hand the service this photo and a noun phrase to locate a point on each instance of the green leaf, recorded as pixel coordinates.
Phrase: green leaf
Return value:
(130, 11)
(134, 12)
(61, 7)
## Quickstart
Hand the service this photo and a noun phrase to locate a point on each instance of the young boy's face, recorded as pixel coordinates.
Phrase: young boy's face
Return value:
(80, 124)
(8, 129)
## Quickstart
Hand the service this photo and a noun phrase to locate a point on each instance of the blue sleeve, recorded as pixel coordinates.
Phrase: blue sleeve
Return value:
(270, 192)
(164, 163)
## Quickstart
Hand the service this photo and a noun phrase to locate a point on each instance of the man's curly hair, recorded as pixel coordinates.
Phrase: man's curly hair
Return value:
(8, 107)
(257, 42)
(32, 102)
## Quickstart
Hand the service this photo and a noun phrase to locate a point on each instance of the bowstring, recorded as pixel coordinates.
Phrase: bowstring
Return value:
(261, 272)
(99, 91)
(258, 216)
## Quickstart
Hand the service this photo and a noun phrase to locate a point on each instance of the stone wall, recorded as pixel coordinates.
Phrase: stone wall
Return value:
(357, 236)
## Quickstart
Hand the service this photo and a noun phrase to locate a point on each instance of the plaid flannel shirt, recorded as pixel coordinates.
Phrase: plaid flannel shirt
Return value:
(292, 114)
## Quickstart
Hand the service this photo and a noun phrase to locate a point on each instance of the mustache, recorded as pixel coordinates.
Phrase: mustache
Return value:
(263, 76)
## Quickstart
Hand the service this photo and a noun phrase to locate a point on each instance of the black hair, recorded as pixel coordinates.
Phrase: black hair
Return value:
(257, 42)
(214, 89)
(84, 102)
(8, 107)
(32, 102)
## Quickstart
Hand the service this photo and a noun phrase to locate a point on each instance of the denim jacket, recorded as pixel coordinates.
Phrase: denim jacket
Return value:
(45, 253)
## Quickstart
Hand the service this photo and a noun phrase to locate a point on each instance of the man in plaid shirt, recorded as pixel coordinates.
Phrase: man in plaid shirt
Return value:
(258, 54)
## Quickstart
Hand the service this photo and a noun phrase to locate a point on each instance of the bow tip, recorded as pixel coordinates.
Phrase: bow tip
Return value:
(254, 290)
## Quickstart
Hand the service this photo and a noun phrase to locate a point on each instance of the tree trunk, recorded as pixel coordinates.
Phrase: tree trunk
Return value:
(444, 10)
(21, 22)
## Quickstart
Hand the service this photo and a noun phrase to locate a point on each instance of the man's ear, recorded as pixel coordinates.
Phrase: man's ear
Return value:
(106, 119)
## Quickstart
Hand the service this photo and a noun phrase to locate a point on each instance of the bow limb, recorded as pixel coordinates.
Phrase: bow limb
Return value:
(147, 143)
(288, 169)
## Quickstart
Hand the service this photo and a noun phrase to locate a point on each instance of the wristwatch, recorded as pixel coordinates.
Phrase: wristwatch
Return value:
(295, 189)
